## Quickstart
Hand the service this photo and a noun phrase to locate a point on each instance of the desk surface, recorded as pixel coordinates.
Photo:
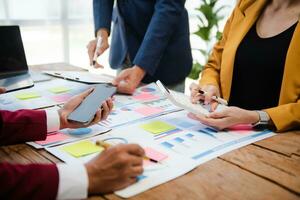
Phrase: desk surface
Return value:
(268, 169)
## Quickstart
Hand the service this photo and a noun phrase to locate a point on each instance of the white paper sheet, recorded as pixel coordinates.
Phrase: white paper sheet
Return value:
(189, 144)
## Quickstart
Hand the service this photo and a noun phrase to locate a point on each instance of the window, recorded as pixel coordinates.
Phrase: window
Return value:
(59, 30)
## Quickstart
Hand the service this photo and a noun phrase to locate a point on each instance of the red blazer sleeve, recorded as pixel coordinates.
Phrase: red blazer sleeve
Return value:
(22, 126)
(33, 181)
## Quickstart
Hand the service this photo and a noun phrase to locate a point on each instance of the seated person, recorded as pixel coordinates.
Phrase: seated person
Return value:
(256, 67)
(115, 168)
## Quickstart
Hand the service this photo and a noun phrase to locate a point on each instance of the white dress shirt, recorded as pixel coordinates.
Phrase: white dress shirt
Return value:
(73, 179)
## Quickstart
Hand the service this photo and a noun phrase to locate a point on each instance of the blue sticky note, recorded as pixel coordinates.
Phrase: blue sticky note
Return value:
(79, 131)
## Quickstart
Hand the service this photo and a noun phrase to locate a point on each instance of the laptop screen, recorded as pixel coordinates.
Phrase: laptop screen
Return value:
(12, 55)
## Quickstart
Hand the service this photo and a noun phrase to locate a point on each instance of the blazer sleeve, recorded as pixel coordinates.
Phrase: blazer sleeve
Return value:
(211, 73)
(102, 14)
(22, 126)
(33, 181)
(285, 117)
(162, 24)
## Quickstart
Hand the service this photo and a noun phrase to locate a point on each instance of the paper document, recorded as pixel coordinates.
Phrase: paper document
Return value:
(178, 140)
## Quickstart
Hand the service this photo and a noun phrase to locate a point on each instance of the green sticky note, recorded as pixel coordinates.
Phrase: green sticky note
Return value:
(83, 148)
(29, 95)
(60, 89)
(157, 127)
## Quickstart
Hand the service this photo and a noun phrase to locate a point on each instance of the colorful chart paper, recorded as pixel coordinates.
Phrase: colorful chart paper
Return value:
(147, 110)
(55, 137)
(83, 148)
(145, 96)
(157, 127)
(61, 98)
(29, 95)
(80, 131)
(60, 89)
(155, 155)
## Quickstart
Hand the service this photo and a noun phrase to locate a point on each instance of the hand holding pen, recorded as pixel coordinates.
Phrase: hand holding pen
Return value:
(106, 145)
(208, 93)
(97, 47)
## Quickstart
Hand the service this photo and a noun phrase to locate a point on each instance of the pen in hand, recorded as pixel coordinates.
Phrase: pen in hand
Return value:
(99, 41)
(215, 98)
(106, 145)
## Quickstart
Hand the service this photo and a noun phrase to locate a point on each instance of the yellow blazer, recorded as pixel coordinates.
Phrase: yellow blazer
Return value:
(219, 69)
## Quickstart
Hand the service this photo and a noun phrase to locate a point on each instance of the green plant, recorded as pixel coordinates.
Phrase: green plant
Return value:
(208, 31)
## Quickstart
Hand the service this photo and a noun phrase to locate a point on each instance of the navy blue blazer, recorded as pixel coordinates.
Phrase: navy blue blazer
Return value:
(154, 33)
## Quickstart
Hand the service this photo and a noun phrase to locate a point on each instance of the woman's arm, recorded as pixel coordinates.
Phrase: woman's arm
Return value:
(286, 116)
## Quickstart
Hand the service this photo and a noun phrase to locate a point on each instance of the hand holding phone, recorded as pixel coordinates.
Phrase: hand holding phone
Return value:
(86, 111)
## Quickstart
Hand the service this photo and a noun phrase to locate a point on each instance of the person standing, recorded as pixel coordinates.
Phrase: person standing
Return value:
(150, 41)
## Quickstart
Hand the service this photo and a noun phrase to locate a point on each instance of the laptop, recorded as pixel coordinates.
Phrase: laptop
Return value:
(14, 73)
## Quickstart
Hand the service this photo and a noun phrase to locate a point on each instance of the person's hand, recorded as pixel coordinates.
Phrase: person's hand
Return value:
(129, 79)
(229, 117)
(74, 102)
(115, 168)
(2, 90)
(103, 46)
(211, 90)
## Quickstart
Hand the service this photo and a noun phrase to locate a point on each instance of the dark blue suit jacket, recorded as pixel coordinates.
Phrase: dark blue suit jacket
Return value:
(155, 34)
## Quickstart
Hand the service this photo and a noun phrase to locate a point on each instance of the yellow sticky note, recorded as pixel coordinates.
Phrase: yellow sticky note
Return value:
(29, 95)
(60, 89)
(157, 127)
(82, 148)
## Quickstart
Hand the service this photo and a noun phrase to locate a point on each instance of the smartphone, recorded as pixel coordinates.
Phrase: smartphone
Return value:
(86, 111)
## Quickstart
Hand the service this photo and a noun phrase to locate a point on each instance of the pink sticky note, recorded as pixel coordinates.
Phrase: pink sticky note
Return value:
(147, 163)
(145, 96)
(242, 128)
(61, 98)
(52, 138)
(153, 154)
(147, 110)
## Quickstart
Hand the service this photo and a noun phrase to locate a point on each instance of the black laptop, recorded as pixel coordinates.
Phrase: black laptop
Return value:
(14, 73)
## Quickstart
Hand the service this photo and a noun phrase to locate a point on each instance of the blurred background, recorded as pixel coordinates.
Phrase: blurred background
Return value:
(59, 30)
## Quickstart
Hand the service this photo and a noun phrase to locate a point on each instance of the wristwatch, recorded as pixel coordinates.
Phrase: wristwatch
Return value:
(264, 120)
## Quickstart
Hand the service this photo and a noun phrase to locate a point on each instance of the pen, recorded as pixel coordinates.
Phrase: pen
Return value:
(215, 98)
(106, 145)
(99, 41)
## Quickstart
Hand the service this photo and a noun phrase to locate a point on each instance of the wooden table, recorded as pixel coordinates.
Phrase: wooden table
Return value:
(268, 169)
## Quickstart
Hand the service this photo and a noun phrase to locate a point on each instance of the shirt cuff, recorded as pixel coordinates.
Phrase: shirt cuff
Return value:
(53, 122)
(73, 181)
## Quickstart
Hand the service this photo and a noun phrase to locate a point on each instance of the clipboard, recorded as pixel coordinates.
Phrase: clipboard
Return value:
(81, 77)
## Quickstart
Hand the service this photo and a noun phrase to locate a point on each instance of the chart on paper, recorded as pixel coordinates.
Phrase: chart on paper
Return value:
(43, 94)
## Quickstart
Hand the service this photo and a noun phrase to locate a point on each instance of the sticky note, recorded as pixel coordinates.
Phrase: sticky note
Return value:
(53, 138)
(147, 110)
(82, 148)
(241, 127)
(145, 96)
(61, 98)
(153, 154)
(29, 95)
(157, 127)
(60, 89)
